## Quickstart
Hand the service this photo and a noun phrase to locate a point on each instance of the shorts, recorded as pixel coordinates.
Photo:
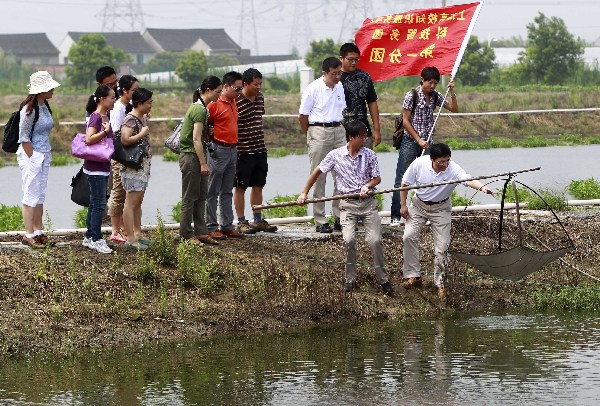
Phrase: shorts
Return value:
(134, 185)
(251, 170)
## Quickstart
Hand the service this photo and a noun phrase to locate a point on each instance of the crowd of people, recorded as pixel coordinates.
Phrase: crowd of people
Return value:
(223, 153)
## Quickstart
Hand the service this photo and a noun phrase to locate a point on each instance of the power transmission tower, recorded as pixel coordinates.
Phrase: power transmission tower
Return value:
(356, 12)
(122, 16)
(301, 31)
(248, 38)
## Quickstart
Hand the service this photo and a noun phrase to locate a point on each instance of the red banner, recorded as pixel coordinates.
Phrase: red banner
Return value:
(405, 43)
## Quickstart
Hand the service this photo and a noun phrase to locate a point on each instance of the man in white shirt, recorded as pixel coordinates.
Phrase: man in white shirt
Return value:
(358, 173)
(430, 204)
(320, 117)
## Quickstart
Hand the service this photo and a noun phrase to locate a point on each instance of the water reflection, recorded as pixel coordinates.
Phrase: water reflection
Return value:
(483, 359)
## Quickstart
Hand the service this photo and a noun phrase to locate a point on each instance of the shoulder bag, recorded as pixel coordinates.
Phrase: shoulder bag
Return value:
(101, 151)
(173, 141)
(132, 156)
(399, 123)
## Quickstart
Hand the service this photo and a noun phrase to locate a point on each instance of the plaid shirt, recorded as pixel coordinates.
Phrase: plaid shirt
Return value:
(422, 119)
(352, 173)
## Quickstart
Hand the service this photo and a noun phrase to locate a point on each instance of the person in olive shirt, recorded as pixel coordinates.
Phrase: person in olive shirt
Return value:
(193, 165)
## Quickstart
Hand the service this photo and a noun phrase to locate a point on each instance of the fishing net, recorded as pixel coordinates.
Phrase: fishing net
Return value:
(512, 244)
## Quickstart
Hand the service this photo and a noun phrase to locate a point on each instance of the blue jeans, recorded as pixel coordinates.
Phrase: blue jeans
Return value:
(409, 151)
(97, 205)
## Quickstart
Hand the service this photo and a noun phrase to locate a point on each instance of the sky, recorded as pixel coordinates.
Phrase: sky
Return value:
(281, 24)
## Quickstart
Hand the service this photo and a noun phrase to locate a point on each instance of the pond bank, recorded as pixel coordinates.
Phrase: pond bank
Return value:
(67, 297)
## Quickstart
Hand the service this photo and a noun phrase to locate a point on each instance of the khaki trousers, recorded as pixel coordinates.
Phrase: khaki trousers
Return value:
(439, 215)
(351, 211)
(320, 141)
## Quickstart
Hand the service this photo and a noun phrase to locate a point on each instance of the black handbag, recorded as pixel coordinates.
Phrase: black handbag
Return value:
(80, 194)
(132, 156)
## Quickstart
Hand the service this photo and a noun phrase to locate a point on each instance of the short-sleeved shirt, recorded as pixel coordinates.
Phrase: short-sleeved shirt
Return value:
(142, 174)
(224, 116)
(352, 173)
(196, 113)
(359, 91)
(422, 119)
(92, 167)
(251, 136)
(420, 172)
(117, 114)
(40, 138)
(321, 103)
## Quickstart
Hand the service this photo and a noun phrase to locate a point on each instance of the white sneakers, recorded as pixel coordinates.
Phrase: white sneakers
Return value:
(99, 245)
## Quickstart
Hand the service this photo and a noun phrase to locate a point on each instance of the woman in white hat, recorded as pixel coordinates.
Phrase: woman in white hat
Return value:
(33, 155)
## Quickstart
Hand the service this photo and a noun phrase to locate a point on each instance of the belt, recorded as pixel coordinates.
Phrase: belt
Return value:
(430, 203)
(332, 124)
(224, 144)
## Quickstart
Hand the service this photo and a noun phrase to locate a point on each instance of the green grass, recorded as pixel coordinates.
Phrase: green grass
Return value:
(584, 189)
(176, 212)
(570, 299)
(11, 218)
(280, 152)
(461, 200)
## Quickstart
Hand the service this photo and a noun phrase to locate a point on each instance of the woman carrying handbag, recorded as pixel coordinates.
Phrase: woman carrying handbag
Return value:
(98, 128)
(135, 181)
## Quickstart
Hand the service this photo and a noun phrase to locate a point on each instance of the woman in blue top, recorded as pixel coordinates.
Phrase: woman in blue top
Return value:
(33, 155)
(98, 127)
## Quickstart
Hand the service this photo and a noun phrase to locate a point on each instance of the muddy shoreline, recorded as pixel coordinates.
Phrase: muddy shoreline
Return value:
(67, 298)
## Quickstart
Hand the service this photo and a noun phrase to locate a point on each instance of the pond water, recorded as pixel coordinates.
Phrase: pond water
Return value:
(477, 359)
(287, 176)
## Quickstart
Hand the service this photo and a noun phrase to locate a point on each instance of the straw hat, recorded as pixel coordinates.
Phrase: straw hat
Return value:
(40, 82)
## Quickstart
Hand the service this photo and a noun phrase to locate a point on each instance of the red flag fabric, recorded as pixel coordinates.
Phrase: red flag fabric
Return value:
(403, 44)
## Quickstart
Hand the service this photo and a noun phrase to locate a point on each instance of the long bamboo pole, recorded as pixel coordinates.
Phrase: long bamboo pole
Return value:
(398, 189)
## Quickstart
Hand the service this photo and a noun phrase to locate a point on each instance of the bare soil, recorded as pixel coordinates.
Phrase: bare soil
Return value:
(68, 297)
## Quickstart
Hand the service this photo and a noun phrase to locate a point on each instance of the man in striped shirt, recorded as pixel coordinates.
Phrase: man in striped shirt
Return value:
(357, 172)
(252, 164)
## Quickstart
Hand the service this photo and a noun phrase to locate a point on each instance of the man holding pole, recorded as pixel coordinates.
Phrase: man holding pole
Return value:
(430, 204)
(357, 174)
(418, 120)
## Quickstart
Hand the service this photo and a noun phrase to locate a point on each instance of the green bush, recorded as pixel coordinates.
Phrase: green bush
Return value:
(170, 156)
(176, 212)
(11, 218)
(460, 200)
(555, 199)
(63, 159)
(80, 217)
(288, 211)
(584, 189)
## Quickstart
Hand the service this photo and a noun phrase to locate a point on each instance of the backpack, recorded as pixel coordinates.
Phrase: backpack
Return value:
(10, 143)
(399, 123)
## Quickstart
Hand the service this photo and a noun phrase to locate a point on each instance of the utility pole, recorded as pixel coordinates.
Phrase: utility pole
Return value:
(301, 34)
(248, 36)
(122, 16)
(355, 13)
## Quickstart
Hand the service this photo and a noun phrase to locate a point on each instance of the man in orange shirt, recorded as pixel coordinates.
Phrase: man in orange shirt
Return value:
(222, 158)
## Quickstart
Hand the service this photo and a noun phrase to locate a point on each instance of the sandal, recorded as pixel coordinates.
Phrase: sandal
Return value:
(118, 238)
(144, 241)
(139, 247)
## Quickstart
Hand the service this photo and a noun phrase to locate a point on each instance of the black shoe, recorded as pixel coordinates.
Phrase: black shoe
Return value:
(348, 287)
(388, 289)
(324, 228)
(336, 225)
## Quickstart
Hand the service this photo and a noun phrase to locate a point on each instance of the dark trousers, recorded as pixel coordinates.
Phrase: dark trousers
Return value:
(194, 188)
(408, 152)
(93, 221)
